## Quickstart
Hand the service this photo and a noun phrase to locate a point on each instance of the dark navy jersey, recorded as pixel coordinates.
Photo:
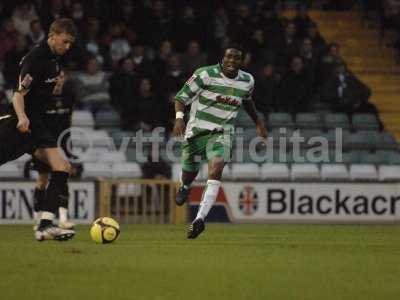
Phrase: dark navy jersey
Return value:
(39, 71)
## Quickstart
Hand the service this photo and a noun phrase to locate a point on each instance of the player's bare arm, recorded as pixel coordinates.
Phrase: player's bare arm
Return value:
(179, 126)
(251, 110)
(19, 107)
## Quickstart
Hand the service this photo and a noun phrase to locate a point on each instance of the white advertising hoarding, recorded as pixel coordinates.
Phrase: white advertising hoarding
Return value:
(16, 202)
(309, 202)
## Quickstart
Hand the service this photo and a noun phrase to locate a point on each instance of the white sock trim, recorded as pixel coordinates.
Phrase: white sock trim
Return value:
(46, 215)
(209, 198)
(63, 213)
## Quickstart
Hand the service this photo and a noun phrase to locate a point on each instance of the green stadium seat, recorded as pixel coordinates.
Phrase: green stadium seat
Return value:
(308, 120)
(387, 141)
(108, 119)
(280, 119)
(365, 139)
(364, 121)
(387, 157)
(336, 120)
(243, 120)
(120, 135)
(348, 157)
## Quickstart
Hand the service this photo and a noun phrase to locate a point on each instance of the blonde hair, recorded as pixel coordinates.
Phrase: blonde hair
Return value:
(63, 25)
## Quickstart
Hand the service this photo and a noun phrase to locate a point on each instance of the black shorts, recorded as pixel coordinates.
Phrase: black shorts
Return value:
(13, 143)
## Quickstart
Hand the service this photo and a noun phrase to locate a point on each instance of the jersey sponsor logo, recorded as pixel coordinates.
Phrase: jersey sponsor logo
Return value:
(25, 82)
(228, 100)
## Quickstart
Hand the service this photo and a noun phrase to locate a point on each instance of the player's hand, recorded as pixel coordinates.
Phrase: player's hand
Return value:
(59, 84)
(23, 124)
(261, 130)
(179, 128)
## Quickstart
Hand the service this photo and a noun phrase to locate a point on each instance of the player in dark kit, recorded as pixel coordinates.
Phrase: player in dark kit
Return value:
(23, 129)
(58, 117)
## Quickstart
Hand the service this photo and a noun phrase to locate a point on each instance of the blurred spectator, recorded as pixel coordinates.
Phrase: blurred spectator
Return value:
(257, 44)
(193, 58)
(119, 45)
(144, 111)
(287, 45)
(309, 56)
(123, 90)
(175, 76)
(187, 25)
(271, 22)
(329, 61)
(318, 41)
(77, 13)
(241, 25)
(22, 17)
(52, 12)
(156, 168)
(90, 40)
(143, 65)
(161, 60)
(221, 22)
(12, 60)
(345, 93)
(36, 33)
(8, 38)
(302, 20)
(267, 88)
(159, 23)
(93, 88)
(2, 82)
(295, 88)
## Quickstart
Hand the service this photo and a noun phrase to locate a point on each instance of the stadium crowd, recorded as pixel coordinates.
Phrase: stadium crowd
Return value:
(133, 56)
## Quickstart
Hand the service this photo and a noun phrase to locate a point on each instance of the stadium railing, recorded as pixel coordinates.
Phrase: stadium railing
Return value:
(140, 201)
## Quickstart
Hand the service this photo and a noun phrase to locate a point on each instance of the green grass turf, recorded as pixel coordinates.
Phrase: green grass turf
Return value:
(226, 262)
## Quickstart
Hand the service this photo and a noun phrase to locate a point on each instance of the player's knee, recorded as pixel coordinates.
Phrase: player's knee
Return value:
(42, 181)
(63, 166)
(215, 171)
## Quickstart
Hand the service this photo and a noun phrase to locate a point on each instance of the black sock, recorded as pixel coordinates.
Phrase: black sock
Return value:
(44, 223)
(63, 201)
(38, 199)
(56, 191)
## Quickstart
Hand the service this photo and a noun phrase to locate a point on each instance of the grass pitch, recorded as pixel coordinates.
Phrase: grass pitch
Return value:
(226, 262)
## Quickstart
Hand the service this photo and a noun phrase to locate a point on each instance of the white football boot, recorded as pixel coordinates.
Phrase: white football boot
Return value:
(52, 232)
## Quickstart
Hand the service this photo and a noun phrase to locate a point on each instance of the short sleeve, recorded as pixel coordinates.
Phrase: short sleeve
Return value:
(192, 87)
(249, 95)
(29, 74)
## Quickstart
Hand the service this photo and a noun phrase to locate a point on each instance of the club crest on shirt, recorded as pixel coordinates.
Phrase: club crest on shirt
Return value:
(26, 81)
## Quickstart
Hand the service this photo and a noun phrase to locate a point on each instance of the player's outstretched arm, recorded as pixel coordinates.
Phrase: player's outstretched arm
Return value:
(19, 107)
(179, 126)
(250, 108)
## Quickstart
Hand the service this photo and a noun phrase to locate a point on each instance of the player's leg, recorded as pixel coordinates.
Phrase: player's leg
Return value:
(210, 193)
(187, 178)
(38, 197)
(218, 153)
(56, 192)
(191, 159)
(58, 131)
(13, 143)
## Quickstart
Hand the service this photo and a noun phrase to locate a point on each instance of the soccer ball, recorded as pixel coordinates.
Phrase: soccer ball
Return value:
(104, 230)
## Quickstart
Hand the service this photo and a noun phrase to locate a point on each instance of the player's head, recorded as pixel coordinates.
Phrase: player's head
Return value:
(232, 60)
(62, 35)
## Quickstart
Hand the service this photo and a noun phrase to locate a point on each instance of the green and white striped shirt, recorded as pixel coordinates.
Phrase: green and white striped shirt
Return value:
(215, 98)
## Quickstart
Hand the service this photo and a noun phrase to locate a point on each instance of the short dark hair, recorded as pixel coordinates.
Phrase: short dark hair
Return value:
(234, 46)
(63, 25)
